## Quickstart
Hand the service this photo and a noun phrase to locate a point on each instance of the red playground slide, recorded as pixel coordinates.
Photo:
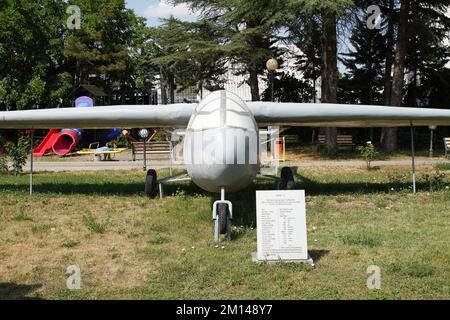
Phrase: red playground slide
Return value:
(46, 144)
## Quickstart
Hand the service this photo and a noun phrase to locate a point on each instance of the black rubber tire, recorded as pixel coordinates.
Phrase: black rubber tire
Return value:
(151, 189)
(222, 216)
(287, 177)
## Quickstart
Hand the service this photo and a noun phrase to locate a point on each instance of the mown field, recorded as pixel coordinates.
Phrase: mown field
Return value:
(130, 247)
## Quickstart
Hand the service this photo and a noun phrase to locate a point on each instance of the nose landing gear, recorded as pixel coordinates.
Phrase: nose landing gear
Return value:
(287, 181)
(222, 215)
(222, 209)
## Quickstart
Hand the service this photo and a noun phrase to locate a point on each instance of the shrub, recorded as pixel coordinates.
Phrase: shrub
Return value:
(369, 153)
(16, 153)
(435, 181)
(3, 164)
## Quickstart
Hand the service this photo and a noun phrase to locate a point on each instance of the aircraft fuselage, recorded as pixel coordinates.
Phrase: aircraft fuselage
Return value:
(221, 146)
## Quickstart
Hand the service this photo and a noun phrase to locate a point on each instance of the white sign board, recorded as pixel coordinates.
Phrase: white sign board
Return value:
(281, 225)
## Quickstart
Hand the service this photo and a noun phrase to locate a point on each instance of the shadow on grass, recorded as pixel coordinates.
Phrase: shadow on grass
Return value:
(316, 255)
(79, 188)
(314, 187)
(243, 202)
(12, 291)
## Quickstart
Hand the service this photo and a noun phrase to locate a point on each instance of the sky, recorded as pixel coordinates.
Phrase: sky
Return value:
(153, 10)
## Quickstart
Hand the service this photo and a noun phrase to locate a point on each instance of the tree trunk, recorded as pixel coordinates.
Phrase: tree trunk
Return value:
(314, 91)
(172, 93)
(171, 81)
(122, 93)
(389, 139)
(329, 70)
(163, 82)
(254, 84)
(389, 48)
(163, 94)
(389, 135)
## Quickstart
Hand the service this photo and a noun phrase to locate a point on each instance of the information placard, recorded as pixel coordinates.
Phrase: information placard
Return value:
(281, 225)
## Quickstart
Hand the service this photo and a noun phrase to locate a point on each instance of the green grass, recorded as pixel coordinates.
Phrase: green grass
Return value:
(346, 153)
(365, 240)
(128, 246)
(22, 217)
(443, 166)
(70, 244)
(94, 226)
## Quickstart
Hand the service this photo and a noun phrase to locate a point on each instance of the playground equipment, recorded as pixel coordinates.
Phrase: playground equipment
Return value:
(63, 142)
(106, 153)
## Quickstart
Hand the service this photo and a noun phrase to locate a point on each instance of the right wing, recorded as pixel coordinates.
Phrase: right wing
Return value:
(133, 116)
(343, 115)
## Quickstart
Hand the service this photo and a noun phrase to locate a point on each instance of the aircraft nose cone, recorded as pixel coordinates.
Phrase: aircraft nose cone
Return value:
(221, 146)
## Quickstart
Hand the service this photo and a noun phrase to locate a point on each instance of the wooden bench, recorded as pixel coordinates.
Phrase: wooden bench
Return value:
(447, 147)
(151, 148)
(342, 141)
(290, 139)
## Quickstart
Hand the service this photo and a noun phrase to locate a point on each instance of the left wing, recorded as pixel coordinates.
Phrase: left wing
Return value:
(338, 115)
(161, 116)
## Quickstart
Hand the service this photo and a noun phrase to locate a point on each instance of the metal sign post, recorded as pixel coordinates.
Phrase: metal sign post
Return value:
(144, 135)
(145, 155)
(413, 158)
(432, 129)
(31, 161)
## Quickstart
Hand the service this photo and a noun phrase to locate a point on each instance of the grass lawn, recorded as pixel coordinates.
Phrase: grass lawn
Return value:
(302, 153)
(130, 247)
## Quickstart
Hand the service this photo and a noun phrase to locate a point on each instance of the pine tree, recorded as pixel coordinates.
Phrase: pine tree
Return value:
(249, 32)
(328, 12)
(428, 52)
(421, 24)
(305, 34)
(191, 53)
(288, 88)
(365, 64)
(99, 51)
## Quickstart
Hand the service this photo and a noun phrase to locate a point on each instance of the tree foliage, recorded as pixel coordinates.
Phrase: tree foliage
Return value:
(31, 55)
(99, 52)
(365, 65)
(42, 62)
(249, 32)
(190, 53)
(288, 88)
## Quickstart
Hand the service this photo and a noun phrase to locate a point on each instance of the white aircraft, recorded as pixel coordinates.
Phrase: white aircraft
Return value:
(221, 143)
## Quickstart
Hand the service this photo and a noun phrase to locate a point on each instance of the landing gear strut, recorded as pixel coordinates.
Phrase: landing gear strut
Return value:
(284, 182)
(222, 215)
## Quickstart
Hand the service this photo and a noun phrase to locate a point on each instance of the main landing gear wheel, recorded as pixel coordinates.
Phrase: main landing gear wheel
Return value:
(151, 189)
(223, 218)
(287, 179)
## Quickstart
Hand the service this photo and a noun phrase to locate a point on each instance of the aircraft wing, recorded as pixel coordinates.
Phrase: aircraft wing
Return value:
(123, 116)
(266, 113)
(336, 115)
